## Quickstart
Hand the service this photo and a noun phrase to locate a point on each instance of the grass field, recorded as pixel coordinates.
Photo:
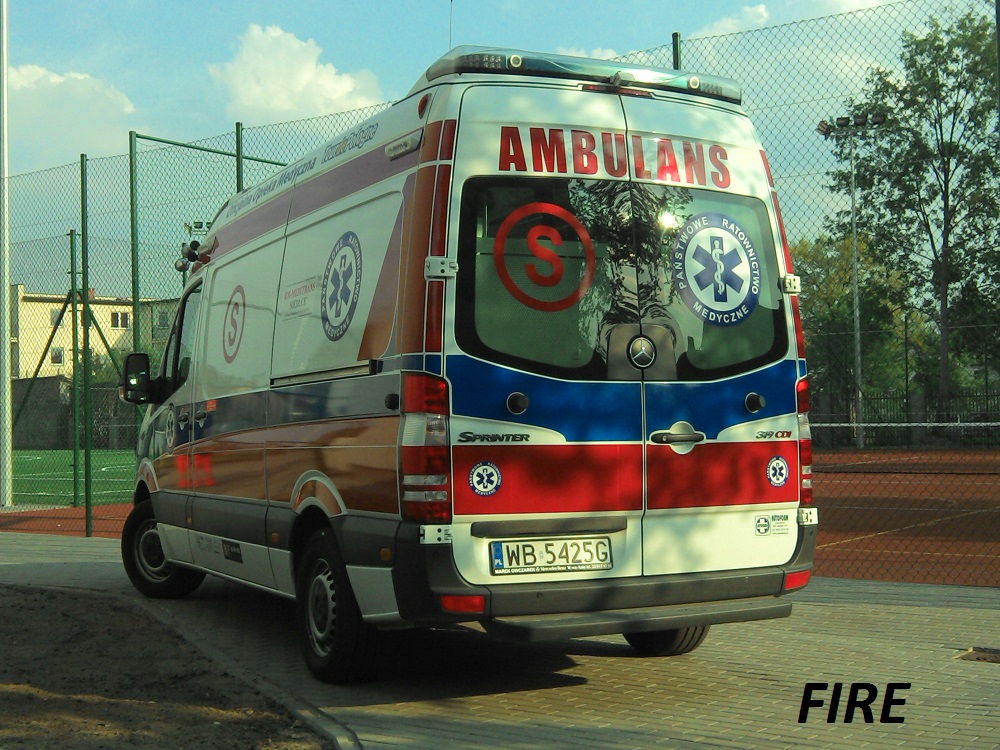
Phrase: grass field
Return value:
(44, 478)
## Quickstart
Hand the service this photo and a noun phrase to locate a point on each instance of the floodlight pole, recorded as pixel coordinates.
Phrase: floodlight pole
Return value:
(6, 349)
(859, 403)
(850, 126)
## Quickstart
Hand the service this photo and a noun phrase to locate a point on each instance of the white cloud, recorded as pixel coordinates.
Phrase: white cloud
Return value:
(598, 54)
(276, 77)
(56, 117)
(749, 17)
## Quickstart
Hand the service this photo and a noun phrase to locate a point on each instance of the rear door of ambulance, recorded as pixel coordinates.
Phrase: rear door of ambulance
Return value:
(616, 303)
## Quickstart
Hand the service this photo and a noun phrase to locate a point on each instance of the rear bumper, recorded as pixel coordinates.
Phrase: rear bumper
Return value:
(423, 573)
(531, 628)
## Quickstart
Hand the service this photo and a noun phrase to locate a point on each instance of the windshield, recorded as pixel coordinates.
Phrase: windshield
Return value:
(555, 273)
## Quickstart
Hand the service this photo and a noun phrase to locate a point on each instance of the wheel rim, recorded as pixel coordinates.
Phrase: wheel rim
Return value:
(149, 553)
(322, 608)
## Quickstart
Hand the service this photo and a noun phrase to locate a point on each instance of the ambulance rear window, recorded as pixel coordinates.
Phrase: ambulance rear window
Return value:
(550, 268)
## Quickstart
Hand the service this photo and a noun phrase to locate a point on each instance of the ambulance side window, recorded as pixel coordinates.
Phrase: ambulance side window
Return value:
(177, 358)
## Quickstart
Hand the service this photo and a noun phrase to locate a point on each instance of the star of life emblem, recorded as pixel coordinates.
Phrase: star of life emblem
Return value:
(484, 479)
(341, 286)
(777, 471)
(716, 269)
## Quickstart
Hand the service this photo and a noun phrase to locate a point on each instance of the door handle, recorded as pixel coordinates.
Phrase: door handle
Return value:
(666, 437)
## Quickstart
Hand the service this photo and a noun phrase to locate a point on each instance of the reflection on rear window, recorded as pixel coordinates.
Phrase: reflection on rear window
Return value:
(549, 269)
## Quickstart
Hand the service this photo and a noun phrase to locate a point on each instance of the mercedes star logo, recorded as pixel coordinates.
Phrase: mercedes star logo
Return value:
(641, 352)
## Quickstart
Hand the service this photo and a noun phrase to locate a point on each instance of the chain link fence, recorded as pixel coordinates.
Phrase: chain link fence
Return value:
(907, 458)
(906, 477)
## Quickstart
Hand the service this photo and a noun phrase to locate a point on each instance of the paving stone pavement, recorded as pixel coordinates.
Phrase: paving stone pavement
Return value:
(743, 688)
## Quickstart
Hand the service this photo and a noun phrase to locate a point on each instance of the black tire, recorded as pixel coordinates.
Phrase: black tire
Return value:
(667, 642)
(338, 645)
(145, 562)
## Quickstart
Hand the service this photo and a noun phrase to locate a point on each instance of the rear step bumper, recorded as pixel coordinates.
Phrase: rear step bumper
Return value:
(425, 572)
(534, 628)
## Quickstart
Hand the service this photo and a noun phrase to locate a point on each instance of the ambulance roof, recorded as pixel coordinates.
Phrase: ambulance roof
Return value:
(493, 60)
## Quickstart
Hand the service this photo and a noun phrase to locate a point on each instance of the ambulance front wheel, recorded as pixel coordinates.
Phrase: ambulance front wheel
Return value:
(145, 563)
(338, 645)
(667, 642)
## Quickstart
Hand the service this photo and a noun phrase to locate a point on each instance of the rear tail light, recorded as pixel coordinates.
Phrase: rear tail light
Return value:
(425, 451)
(805, 442)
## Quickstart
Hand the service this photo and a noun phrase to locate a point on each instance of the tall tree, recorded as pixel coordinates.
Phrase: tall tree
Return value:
(929, 177)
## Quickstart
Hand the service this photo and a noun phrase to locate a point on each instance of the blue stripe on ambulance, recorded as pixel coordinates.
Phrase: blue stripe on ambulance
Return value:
(580, 411)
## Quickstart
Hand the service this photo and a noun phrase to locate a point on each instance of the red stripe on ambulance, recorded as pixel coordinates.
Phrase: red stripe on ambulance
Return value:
(576, 478)
(722, 474)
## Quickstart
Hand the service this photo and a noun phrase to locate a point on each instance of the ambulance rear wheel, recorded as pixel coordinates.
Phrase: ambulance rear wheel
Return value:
(667, 642)
(146, 564)
(338, 645)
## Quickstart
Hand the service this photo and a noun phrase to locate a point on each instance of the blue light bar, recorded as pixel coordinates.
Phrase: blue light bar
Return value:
(469, 59)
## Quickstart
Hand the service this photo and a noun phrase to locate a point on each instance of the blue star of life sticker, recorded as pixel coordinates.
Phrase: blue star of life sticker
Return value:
(341, 286)
(484, 479)
(716, 269)
(777, 471)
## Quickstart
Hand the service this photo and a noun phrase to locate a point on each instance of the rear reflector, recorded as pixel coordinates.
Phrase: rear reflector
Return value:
(472, 604)
(796, 580)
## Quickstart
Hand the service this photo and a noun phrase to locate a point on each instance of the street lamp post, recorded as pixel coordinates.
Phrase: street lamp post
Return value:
(849, 126)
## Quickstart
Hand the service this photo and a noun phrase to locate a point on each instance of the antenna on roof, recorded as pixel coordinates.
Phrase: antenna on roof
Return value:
(451, 17)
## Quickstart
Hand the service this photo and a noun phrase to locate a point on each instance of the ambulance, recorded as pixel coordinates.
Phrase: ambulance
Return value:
(522, 352)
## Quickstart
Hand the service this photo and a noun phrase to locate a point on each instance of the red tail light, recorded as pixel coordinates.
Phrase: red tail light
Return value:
(805, 442)
(425, 451)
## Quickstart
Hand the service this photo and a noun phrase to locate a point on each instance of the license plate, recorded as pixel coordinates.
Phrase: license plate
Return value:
(520, 556)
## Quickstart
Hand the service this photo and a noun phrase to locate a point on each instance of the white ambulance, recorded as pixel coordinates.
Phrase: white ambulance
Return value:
(522, 350)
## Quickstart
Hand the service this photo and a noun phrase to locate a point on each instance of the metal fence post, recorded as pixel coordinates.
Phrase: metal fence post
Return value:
(87, 365)
(74, 291)
(133, 198)
(239, 157)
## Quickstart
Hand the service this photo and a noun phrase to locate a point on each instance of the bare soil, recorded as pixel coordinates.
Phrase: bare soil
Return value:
(87, 671)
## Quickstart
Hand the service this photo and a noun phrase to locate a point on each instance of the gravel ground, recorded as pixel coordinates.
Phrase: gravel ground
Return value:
(88, 671)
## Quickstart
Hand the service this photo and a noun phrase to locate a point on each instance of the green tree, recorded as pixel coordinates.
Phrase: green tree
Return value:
(826, 268)
(927, 179)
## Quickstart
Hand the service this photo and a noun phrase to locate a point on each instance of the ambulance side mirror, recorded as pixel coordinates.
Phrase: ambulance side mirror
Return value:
(136, 387)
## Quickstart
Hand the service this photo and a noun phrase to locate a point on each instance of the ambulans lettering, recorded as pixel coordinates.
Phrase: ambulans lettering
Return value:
(716, 269)
(583, 153)
(341, 286)
(501, 437)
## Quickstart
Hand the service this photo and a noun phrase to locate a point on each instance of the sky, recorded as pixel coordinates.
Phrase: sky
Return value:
(83, 73)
